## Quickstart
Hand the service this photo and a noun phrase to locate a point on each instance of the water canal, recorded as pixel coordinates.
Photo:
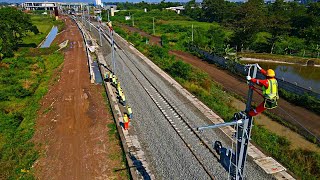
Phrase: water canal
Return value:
(52, 34)
(302, 75)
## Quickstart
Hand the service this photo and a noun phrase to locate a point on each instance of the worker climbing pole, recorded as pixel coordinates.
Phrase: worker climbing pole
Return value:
(234, 159)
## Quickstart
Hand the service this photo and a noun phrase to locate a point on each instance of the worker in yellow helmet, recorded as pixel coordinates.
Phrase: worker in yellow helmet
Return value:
(118, 87)
(123, 99)
(106, 76)
(120, 94)
(269, 91)
(129, 110)
(110, 77)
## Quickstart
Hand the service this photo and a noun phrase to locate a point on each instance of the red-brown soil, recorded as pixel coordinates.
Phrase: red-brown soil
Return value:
(289, 112)
(71, 128)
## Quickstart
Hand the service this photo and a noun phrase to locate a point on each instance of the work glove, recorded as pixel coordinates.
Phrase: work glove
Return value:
(259, 67)
(248, 78)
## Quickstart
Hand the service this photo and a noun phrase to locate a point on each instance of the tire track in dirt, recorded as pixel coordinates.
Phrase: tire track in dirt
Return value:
(72, 134)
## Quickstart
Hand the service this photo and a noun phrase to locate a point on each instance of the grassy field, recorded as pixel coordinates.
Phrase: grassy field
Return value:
(24, 80)
(177, 29)
(44, 24)
(303, 163)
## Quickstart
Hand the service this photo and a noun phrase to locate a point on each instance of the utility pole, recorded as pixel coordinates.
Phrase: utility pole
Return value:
(237, 159)
(113, 58)
(88, 9)
(154, 32)
(192, 33)
(132, 20)
(100, 36)
(108, 15)
(82, 14)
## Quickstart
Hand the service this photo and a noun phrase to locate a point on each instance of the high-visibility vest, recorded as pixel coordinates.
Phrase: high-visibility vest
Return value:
(119, 89)
(123, 97)
(118, 86)
(129, 110)
(272, 91)
(125, 118)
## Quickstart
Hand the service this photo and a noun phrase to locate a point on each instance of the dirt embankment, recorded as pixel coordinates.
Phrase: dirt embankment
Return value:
(71, 129)
(291, 113)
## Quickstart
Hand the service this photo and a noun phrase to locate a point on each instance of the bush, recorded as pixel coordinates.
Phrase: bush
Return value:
(305, 100)
(180, 69)
(24, 81)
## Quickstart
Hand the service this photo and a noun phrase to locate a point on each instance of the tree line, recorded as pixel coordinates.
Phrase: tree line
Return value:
(14, 25)
(279, 27)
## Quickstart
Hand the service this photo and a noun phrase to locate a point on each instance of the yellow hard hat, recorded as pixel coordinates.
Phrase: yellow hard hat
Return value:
(271, 73)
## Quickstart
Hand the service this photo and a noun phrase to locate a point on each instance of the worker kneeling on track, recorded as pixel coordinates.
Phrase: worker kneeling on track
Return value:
(269, 91)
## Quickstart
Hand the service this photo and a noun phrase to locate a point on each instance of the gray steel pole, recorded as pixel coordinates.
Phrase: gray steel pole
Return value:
(154, 32)
(113, 58)
(100, 35)
(132, 21)
(108, 15)
(192, 34)
(243, 135)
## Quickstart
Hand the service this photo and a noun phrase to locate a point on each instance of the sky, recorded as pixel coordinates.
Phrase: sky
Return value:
(87, 1)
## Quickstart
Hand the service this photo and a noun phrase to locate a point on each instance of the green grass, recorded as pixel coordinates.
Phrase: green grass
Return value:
(305, 164)
(44, 24)
(23, 83)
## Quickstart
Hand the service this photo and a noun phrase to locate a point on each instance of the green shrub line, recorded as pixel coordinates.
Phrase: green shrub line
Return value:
(303, 163)
(305, 100)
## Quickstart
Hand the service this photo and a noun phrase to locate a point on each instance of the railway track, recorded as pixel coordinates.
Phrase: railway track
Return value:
(179, 122)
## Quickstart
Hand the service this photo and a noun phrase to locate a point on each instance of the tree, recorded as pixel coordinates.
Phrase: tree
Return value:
(250, 18)
(279, 20)
(192, 10)
(289, 45)
(261, 42)
(14, 25)
(214, 10)
(217, 38)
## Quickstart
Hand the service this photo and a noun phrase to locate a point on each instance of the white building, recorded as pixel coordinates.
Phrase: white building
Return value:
(177, 9)
(98, 3)
(39, 5)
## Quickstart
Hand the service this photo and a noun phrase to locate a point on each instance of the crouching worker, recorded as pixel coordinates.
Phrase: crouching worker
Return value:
(269, 91)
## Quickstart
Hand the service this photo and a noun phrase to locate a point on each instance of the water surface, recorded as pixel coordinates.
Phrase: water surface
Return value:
(52, 34)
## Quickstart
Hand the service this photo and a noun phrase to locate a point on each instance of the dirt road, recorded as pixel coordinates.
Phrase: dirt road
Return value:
(72, 124)
(291, 113)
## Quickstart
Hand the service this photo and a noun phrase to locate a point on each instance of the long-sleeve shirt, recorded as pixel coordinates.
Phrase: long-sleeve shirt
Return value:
(261, 82)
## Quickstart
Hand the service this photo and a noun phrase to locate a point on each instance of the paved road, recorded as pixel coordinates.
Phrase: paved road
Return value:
(166, 153)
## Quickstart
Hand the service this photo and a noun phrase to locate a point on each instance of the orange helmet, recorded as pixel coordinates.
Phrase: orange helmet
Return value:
(271, 73)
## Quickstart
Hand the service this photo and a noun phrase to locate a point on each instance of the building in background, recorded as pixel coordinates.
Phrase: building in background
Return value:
(98, 3)
(39, 5)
